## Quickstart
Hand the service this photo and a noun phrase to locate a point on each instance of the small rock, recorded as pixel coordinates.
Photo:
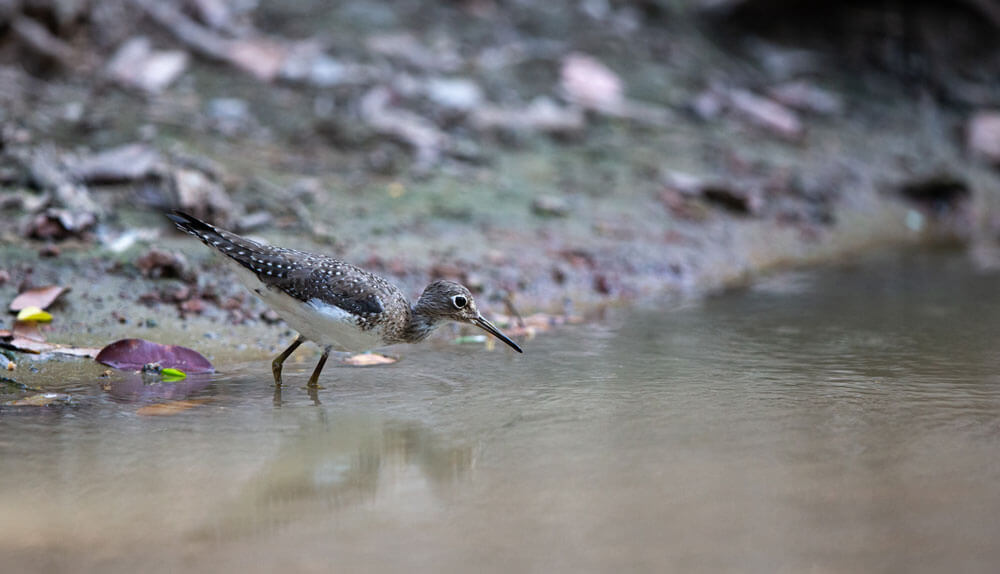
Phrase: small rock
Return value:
(233, 303)
(781, 62)
(49, 172)
(196, 306)
(550, 206)
(683, 183)
(232, 109)
(983, 136)
(178, 295)
(743, 200)
(157, 264)
(457, 94)
(708, 105)
(201, 196)
(130, 162)
(682, 205)
(380, 113)
(744, 197)
(589, 83)
(541, 115)
(150, 298)
(214, 13)
(58, 224)
(766, 113)
(229, 116)
(406, 48)
(135, 64)
(602, 284)
(807, 97)
(269, 316)
(254, 220)
(307, 63)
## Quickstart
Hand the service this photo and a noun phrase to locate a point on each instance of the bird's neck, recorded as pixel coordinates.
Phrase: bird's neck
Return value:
(420, 325)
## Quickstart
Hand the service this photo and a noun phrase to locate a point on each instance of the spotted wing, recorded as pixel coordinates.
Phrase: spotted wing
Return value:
(304, 276)
(335, 283)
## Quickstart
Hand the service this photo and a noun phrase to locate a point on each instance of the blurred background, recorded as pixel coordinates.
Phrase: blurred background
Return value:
(579, 151)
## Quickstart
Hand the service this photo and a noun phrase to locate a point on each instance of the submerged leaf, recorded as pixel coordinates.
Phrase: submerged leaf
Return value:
(133, 354)
(171, 408)
(33, 314)
(41, 297)
(40, 400)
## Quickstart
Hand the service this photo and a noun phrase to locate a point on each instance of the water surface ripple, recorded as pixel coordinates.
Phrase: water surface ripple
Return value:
(843, 420)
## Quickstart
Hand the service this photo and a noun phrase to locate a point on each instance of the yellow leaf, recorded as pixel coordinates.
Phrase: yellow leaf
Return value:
(33, 314)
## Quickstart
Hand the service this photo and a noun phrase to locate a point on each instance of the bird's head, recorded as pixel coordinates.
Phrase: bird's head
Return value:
(450, 301)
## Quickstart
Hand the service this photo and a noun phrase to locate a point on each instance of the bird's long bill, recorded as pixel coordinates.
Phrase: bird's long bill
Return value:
(489, 328)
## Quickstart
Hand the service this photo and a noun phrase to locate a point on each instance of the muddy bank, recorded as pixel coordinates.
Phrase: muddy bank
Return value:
(559, 160)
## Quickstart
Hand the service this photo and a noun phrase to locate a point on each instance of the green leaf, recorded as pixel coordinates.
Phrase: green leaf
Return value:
(170, 375)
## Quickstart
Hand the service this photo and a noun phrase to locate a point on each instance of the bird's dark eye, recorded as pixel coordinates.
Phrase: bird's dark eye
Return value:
(459, 301)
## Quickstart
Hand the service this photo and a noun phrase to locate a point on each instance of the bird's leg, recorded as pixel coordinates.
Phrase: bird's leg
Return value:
(280, 359)
(314, 379)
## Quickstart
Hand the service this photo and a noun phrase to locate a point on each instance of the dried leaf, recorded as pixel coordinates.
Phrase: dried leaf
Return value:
(171, 408)
(132, 354)
(369, 359)
(40, 297)
(18, 341)
(34, 314)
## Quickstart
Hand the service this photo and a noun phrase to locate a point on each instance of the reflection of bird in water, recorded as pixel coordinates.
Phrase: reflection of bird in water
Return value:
(337, 465)
(334, 304)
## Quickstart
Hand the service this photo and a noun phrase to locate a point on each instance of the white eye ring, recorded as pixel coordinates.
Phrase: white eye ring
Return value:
(459, 301)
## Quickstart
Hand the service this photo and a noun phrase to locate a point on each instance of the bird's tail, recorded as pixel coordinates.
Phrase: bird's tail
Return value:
(230, 244)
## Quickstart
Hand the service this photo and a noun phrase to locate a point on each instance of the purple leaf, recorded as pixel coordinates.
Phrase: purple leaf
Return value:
(132, 354)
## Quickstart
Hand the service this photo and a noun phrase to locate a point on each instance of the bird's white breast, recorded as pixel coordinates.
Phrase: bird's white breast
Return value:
(321, 323)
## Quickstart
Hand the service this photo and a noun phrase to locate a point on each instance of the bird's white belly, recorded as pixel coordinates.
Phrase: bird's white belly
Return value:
(323, 324)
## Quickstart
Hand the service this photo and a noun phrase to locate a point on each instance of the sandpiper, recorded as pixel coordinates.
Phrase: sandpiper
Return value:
(335, 304)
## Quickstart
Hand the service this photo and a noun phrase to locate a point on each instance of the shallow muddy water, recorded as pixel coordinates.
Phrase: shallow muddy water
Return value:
(840, 420)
